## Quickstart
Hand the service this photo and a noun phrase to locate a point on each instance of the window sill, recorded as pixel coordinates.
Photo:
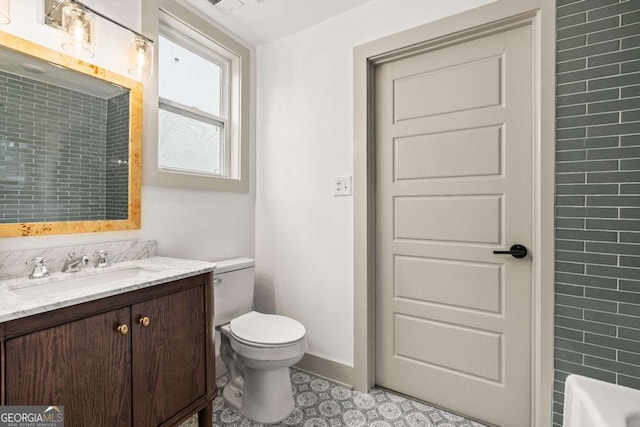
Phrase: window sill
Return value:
(161, 178)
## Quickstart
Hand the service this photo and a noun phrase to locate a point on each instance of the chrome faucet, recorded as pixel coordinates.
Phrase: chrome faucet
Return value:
(102, 258)
(73, 264)
(39, 268)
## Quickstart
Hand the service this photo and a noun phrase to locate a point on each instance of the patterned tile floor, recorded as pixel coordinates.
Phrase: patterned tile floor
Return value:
(321, 403)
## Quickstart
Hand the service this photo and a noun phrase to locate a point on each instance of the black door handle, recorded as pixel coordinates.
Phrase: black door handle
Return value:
(516, 251)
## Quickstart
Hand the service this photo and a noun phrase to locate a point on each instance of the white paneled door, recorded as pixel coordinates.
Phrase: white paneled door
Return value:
(454, 139)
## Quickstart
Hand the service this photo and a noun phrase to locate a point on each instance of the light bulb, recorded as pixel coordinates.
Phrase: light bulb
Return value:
(140, 57)
(78, 36)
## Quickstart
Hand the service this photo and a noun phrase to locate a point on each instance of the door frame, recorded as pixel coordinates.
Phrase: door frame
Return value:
(540, 14)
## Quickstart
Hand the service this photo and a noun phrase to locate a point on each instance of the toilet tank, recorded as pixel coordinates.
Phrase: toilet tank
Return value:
(233, 289)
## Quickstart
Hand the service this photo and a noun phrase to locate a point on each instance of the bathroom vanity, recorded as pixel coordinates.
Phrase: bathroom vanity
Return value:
(134, 350)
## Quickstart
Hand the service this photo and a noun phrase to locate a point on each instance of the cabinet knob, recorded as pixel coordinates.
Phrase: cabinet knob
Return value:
(144, 321)
(123, 329)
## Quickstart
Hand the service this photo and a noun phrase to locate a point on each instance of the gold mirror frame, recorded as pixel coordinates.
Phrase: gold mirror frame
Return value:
(9, 41)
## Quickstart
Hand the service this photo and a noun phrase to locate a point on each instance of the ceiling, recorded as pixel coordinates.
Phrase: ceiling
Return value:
(262, 21)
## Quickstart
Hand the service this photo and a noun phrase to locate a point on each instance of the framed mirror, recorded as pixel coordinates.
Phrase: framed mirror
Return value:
(70, 144)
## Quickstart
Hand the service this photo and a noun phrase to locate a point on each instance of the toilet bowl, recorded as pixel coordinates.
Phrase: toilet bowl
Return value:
(263, 347)
(257, 349)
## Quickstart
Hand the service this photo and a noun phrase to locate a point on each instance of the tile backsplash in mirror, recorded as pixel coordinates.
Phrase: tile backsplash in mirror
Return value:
(60, 149)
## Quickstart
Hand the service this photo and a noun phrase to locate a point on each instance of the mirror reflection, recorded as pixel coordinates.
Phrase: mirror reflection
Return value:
(64, 143)
(70, 144)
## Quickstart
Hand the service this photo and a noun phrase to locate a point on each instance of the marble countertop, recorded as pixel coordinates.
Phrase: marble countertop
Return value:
(25, 297)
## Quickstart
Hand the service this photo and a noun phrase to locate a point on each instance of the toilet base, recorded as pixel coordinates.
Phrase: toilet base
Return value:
(232, 394)
(266, 396)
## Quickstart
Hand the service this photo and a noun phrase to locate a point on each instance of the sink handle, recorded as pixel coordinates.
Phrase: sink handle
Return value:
(102, 258)
(39, 268)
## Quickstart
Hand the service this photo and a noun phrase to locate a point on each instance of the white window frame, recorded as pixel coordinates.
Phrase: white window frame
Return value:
(188, 28)
(201, 116)
(210, 52)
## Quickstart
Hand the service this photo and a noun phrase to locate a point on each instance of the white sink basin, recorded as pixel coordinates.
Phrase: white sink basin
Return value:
(95, 279)
(594, 403)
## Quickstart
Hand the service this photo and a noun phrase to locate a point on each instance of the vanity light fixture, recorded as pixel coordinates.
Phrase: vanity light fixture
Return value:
(140, 57)
(4, 12)
(77, 25)
(75, 19)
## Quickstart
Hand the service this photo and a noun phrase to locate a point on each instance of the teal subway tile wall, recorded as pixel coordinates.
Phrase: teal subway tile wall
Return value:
(65, 153)
(597, 285)
(52, 142)
(117, 157)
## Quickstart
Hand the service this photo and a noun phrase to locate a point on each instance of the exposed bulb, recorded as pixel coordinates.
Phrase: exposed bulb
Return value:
(140, 57)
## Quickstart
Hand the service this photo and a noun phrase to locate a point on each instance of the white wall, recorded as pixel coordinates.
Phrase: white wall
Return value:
(27, 15)
(304, 250)
(190, 224)
(303, 235)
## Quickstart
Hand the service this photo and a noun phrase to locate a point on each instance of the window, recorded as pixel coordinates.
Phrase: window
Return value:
(203, 106)
(193, 110)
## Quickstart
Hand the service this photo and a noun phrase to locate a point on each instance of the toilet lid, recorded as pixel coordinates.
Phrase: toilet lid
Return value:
(267, 329)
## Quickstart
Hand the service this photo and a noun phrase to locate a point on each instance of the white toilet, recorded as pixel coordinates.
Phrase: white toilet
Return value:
(257, 349)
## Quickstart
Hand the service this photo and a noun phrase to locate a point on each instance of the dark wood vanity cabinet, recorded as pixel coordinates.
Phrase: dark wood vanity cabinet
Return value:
(168, 356)
(144, 358)
(80, 364)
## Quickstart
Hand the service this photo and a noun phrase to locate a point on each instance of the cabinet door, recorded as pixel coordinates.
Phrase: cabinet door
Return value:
(168, 355)
(83, 365)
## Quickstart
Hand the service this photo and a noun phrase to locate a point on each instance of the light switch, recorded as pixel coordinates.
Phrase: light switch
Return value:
(342, 186)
